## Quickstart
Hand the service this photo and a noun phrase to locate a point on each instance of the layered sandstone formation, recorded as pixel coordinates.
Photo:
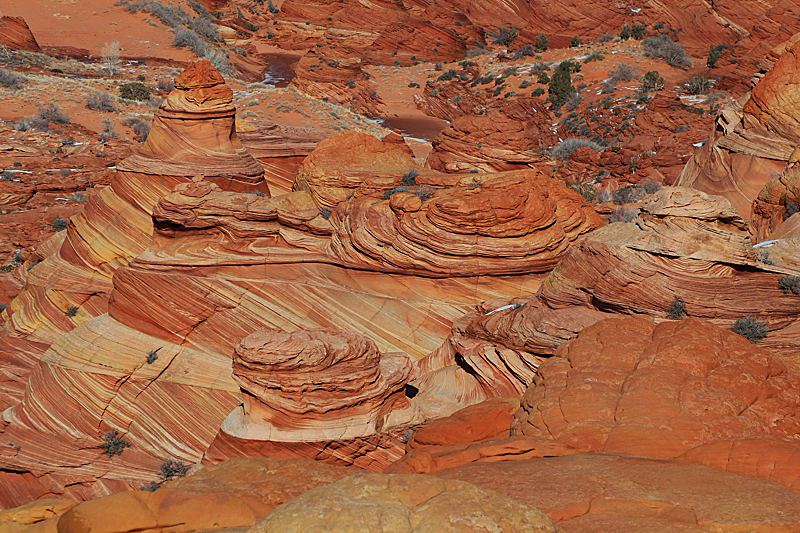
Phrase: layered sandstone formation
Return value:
(317, 393)
(684, 391)
(752, 142)
(281, 150)
(629, 386)
(683, 245)
(510, 135)
(16, 35)
(222, 264)
(337, 79)
(193, 133)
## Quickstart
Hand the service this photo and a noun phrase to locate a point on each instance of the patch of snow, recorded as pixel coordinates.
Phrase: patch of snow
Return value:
(766, 244)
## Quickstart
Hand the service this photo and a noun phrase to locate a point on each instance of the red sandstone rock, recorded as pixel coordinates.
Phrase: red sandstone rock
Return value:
(15, 35)
(509, 136)
(315, 389)
(628, 386)
(751, 143)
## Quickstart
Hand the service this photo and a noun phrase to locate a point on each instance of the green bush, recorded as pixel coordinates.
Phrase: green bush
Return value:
(134, 91)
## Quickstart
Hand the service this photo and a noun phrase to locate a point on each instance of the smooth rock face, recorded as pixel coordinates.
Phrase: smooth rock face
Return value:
(235, 493)
(629, 386)
(752, 142)
(594, 493)
(403, 503)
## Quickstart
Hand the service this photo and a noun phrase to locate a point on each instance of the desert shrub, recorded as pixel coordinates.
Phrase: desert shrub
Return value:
(52, 113)
(750, 329)
(219, 61)
(791, 209)
(586, 190)
(11, 80)
(475, 52)
(627, 195)
(697, 85)
(651, 186)
(537, 92)
(713, 56)
(790, 284)
(677, 309)
(560, 87)
(622, 72)
(325, 213)
(60, 224)
(609, 86)
(625, 33)
(152, 355)
(166, 84)
(109, 54)
(594, 56)
(188, 39)
(505, 36)
(541, 43)
(172, 17)
(623, 215)
(638, 31)
(140, 128)
(101, 102)
(449, 75)
(134, 90)
(564, 150)
(205, 29)
(664, 48)
(171, 469)
(525, 51)
(573, 101)
(113, 444)
(651, 81)
(575, 42)
(605, 38)
(542, 77)
(409, 179)
(350, 84)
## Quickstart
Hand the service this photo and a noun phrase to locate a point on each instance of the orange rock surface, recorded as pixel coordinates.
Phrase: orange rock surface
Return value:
(683, 244)
(16, 35)
(594, 493)
(752, 141)
(628, 386)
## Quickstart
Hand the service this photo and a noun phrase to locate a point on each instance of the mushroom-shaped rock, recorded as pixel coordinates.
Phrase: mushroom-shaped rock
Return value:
(315, 385)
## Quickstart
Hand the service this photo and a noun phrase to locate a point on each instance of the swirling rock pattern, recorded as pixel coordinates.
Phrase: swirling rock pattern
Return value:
(684, 244)
(193, 133)
(510, 135)
(752, 142)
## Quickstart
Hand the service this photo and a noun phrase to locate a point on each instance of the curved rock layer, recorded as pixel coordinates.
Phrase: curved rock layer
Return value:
(683, 249)
(510, 135)
(339, 80)
(281, 150)
(680, 390)
(223, 264)
(751, 143)
(16, 35)
(294, 382)
(193, 133)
